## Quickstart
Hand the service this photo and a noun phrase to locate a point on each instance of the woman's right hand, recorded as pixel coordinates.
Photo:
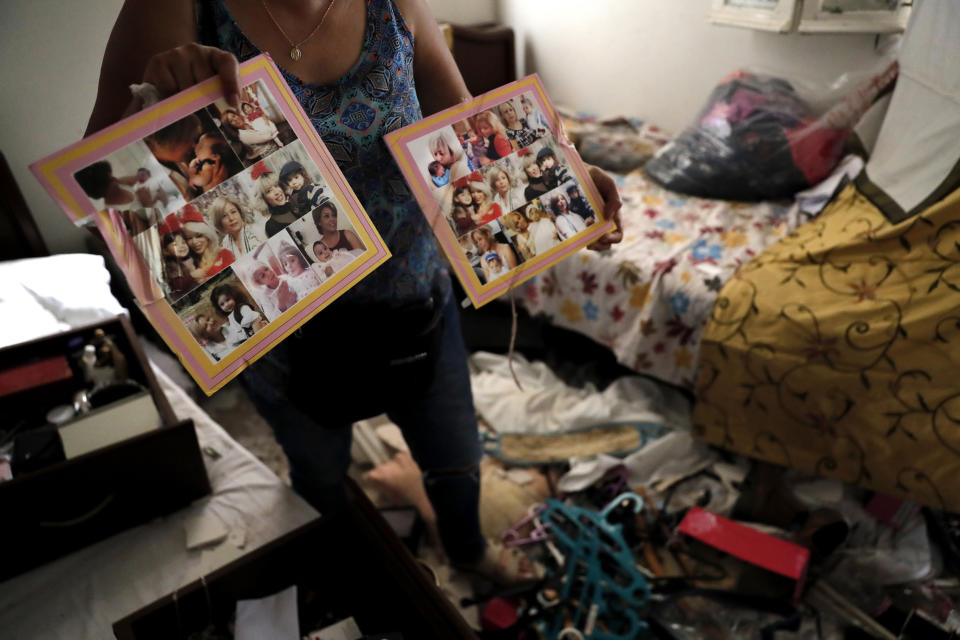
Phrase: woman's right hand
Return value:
(176, 69)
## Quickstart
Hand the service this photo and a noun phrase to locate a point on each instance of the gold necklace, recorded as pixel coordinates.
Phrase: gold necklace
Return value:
(295, 53)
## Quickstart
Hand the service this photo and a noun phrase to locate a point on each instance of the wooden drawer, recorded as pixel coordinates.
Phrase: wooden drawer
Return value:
(67, 505)
(344, 564)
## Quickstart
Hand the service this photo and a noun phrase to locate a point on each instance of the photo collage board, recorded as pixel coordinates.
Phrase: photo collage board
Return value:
(233, 225)
(504, 197)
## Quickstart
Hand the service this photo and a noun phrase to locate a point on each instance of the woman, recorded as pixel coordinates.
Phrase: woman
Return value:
(542, 230)
(536, 184)
(336, 67)
(569, 224)
(254, 144)
(485, 243)
(517, 130)
(506, 192)
(278, 204)
(209, 258)
(449, 155)
(240, 232)
(461, 215)
(518, 223)
(325, 219)
(486, 210)
(208, 330)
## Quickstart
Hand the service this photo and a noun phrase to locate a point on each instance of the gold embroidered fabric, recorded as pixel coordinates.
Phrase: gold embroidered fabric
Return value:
(837, 351)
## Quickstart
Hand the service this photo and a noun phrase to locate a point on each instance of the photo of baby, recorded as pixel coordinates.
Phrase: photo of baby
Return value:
(497, 255)
(221, 315)
(294, 264)
(327, 239)
(195, 154)
(132, 181)
(255, 130)
(265, 277)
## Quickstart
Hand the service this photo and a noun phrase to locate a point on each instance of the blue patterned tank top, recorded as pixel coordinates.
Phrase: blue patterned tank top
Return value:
(352, 115)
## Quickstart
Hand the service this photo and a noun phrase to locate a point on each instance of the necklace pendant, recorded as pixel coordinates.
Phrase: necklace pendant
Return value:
(295, 54)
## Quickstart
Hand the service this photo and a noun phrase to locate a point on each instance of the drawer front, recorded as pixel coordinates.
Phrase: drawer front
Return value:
(72, 504)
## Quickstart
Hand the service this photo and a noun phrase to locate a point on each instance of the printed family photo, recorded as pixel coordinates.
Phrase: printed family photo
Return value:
(195, 154)
(133, 182)
(221, 315)
(191, 250)
(264, 275)
(498, 188)
(293, 265)
(327, 239)
(288, 186)
(257, 128)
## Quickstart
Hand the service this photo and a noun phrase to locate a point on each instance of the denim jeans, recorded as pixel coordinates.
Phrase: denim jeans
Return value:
(440, 428)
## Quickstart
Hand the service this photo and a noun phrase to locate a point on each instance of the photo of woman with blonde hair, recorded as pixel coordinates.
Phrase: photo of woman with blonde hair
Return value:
(209, 257)
(486, 210)
(237, 226)
(507, 192)
(518, 132)
(494, 135)
(450, 156)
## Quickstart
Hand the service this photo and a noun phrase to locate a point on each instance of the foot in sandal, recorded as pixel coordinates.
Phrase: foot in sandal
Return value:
(504, 565)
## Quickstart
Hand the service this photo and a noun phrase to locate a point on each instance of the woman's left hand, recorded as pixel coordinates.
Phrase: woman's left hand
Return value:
(611, 208)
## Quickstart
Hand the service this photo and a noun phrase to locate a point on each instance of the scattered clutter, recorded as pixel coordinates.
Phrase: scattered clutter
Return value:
(674, 539)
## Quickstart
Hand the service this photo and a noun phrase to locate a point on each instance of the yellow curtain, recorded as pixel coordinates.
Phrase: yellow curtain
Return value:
(837, 351)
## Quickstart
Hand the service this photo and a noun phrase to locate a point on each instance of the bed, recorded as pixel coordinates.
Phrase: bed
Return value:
(648, 298)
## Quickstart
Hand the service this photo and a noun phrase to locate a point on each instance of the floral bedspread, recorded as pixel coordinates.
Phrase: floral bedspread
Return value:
(648, 298)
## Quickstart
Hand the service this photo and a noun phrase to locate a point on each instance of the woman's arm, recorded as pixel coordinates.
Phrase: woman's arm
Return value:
(509, 257)
(352, 239)
(155, 42)
(439, 83)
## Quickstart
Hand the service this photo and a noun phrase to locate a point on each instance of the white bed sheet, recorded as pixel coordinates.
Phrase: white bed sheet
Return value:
(83, 594)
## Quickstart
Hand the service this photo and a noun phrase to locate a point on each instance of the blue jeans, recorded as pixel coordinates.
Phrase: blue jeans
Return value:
(440, 428)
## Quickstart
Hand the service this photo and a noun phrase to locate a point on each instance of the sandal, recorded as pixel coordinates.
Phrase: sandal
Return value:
(505, 566)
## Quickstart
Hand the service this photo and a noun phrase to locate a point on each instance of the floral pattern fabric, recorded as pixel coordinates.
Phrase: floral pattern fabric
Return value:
(648, 298)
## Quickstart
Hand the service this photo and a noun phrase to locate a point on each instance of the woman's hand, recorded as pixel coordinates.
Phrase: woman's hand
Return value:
(611, 208)
(176, 69)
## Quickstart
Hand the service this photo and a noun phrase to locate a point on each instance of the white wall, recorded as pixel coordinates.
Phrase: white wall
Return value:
(51, 52)
(464, 11)
(658, 59)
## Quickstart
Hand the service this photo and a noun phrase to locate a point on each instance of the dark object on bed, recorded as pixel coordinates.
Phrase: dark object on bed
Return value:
(485, 55)
(19, 235)
(740, 147)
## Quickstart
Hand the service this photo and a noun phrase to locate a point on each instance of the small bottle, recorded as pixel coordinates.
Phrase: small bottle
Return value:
(89, 361)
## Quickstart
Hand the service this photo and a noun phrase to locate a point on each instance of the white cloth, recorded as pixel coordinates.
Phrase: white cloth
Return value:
(550, 406)
(917, 144)
(83, 594)
(569, 225)
(544, 235)
(251, 237)
(341, 258)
